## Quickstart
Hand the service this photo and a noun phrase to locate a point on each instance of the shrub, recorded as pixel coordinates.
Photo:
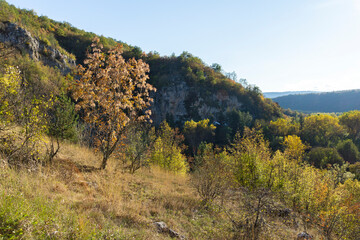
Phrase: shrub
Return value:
(167, 150)
(213, 177)
(348, 151)
(320, 157)
(137, 146)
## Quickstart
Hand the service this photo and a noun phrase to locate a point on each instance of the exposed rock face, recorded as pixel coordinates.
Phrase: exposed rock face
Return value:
(179, 102)
(13, 35)
(170, 101)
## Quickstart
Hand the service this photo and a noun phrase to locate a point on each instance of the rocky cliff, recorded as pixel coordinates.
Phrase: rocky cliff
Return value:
(13, 35)
(180, 102)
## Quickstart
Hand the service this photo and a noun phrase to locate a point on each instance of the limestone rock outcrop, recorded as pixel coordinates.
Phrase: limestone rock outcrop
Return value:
(13, 35)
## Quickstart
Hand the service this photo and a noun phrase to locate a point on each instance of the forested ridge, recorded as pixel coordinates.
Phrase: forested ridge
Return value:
(132, 145)
(329, 102)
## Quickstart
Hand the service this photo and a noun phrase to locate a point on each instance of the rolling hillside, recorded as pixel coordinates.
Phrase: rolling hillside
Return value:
(341, 101)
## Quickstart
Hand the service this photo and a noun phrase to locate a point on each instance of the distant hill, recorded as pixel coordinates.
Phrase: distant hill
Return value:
(280, 94)
(339, 101)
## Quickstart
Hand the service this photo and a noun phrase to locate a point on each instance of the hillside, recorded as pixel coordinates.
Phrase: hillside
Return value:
(80, 158)
(187, 88)
(64, 202)
(341, 101)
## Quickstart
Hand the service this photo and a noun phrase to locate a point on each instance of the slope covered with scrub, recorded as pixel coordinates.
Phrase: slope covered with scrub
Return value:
(187, 87)
(235, 168)
(63, 202)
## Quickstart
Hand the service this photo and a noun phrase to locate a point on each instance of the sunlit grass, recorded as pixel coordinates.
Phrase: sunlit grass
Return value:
(61, 202)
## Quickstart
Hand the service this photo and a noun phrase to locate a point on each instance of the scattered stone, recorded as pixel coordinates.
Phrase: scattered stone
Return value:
(174, 234)
(163, 228)
(304, 235)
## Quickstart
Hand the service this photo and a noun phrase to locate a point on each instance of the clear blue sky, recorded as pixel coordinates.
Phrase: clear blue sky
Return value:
(278, 45)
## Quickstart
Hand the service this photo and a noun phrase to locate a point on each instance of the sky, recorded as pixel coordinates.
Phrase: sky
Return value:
(278, 45)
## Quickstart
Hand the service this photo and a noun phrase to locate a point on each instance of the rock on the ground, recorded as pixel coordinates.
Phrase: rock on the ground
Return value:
(163, 228)
(304, 235)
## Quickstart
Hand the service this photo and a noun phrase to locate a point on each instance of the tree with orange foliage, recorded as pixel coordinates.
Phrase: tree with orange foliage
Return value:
(111, 92)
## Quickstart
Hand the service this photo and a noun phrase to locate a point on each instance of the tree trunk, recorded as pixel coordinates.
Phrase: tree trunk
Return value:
(104, 162)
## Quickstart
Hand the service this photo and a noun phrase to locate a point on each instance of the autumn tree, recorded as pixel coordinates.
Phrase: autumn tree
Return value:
(111, 92)
(284, 126)
(278, 129)
(351, 121)
(322, 130)
(10, 82)
(6, 52)
(255, 174)
(294, 148)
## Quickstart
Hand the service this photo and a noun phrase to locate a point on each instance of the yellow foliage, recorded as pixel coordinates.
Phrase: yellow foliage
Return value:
(169, 157)
(9, 88)
(351, 121)
(284, 126)
(294, 148)
(322, 130)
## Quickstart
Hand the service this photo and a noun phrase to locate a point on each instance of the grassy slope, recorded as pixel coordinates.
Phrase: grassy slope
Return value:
(62, 202)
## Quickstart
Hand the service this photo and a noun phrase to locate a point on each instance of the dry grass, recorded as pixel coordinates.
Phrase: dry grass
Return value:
(111, 200)
(111, 204)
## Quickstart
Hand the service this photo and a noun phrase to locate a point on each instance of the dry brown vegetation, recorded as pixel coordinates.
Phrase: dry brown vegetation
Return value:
(65, 200)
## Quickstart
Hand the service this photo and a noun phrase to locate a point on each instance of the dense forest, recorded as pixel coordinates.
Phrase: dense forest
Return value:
(99, 140)
(327, 102)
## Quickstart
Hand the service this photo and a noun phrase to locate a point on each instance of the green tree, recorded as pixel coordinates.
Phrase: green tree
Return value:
(61, 125)
(238, 120)
(321, 157)
(355, 169)
(216, 67)
(167, 150)
(139, 139)
(348, 151)
(197, 132)
(251, 151)
(111, 92)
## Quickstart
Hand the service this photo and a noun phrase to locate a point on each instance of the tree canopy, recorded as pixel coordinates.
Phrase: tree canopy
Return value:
(111, 92)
